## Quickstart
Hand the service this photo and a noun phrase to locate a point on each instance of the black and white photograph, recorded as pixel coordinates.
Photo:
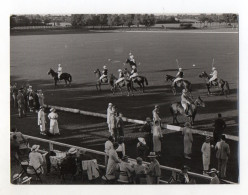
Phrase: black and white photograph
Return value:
(102, 97)
(124, 98)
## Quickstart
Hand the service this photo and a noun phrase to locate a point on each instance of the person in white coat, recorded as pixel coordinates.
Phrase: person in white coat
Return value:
(214, 75)
(59, 71)
(42, 121)
(109, 112)
(54, 128)
(206, 152)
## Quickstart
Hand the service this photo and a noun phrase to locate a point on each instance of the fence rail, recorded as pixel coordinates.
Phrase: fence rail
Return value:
(165, 168)
(166, 126)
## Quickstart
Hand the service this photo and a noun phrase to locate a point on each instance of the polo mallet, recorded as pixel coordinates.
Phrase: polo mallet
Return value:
(213, 63)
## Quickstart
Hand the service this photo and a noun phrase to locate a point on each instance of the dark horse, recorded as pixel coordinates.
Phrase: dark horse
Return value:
(141, 81)
(181, 83)
(64, 76)
(177, 109)
(223, 85)
(121, 84)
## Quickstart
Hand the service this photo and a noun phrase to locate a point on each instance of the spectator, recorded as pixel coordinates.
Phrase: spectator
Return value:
(21, 106)
(109, 112)
(222, 154)
(113, 161)
(54, 128)
(219, 127)
(42, 121)
(26, 180)
(36, 101)
(30, 98)
(108, 147)
(112, 121)
(139, 170)
(157, 137)
(36, 159)
(155, 114)
(69, 164)
(23, 144)
(121, 150)
(153, 170)
(206, 152)
(142, 148)
(126, 169)
(147, 127)
(214, 174)
(120, 125)
(48, 162)
(14, 92)
(41, 97)
(14, 145)
(188, 140)
(16, 179)
(183, 176)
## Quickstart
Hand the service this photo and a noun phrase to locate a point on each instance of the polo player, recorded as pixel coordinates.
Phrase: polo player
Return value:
(214, 75)
(121, 76)
(186, 101)
(131, 57)
(59, 70)
(179, 76)
(134, 73)
(104, 73)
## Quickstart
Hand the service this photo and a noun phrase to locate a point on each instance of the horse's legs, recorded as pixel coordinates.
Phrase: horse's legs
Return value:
(208, 87)
(65, 82)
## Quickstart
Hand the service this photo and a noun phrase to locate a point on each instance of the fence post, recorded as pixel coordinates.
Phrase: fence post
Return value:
(50, 146)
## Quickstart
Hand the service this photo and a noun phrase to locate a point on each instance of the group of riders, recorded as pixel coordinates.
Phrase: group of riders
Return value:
(186, 97)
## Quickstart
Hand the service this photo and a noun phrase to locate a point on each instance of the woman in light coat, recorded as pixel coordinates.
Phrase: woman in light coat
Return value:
(157, 137)
(188, 140)
(113, 161)
(206, 152)
(42, 121)
(54, 128)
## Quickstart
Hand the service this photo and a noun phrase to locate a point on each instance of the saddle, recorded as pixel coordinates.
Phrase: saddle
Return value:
(214, 82)
(104, 80)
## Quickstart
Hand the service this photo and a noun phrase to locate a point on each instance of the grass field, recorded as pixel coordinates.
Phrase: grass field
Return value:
(81, 54)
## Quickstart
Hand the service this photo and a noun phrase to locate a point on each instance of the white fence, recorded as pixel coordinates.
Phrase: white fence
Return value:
(166, 126)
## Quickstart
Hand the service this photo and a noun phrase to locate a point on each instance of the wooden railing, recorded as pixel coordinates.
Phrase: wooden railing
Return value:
(206, 179)
(166, 126)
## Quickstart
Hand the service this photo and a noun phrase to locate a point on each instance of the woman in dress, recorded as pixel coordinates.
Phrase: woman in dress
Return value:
(188, 140)
(54, 128)
(157, 137)
(42, 121)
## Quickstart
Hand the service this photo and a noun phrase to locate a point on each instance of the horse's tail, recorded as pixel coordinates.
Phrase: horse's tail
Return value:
(70, 78)
(146, 81)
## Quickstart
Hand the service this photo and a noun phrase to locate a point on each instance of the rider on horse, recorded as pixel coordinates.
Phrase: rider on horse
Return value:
(121, 76)
(186, 101)
(104, 74)
(59, 70)
(179, 76)
(126, 72)
(214, 75)
(131, 58)
(134, 73)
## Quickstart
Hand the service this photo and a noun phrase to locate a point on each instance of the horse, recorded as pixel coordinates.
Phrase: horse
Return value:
(220, 83)
(64, 76)
(131, 63)
(121, 84)
(177, 109)
(141, 81)
(105, 81)
(181, 83)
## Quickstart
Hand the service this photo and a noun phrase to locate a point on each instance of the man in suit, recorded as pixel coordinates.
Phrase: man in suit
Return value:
(222, 154)
(219, 127)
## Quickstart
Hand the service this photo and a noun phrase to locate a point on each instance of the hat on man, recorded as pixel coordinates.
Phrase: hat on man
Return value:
(110, 104)
(104, 67)
(125, 157)
(185, 167)
(213, 170)
(30, 86)
(213, 68)
(52, 109)
(35, 147)
(208, 138)
(72, 151)
(156, 106)
(133, 67)
(16, 176)
(180, 69)
(26, 179)
(142, 140)
(119, 70)
(139, 159)
(152, 155)
(148, 119)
